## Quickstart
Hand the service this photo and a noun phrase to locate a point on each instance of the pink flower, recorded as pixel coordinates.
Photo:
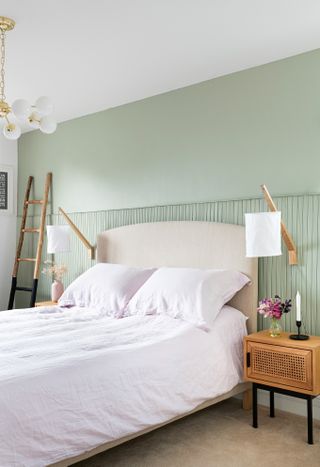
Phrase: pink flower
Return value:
(273, 307)
(276, 310)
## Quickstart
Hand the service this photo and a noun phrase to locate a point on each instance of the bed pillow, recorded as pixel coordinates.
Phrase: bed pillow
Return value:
(106, 287)
(194, 295)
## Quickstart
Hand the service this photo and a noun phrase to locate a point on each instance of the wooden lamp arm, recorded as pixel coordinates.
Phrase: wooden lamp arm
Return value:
(284, 232)
(83, 239)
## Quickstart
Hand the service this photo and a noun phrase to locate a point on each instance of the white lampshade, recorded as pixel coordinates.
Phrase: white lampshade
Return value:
(48, 125)
(44, 105)
(11, 131)
(263, 234)
(58, 238)
(21, 108)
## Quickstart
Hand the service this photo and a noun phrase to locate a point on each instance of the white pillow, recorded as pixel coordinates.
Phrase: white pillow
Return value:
(194, 295)
(106, 287)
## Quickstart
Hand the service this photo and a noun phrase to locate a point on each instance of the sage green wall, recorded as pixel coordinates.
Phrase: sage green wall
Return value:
(208, 142)
(215, 140)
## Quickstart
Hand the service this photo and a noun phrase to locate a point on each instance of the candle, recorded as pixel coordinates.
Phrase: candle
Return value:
(298, 306)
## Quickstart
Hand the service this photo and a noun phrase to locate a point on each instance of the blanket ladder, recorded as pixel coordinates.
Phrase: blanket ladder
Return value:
(26, 230)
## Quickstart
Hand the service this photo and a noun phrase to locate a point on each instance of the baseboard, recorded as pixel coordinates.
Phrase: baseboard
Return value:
(289, 404)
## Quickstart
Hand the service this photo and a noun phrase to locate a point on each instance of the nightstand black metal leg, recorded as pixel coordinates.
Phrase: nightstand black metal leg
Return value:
(254, 406)
(310, 420)
(272, 404)
(272, 390)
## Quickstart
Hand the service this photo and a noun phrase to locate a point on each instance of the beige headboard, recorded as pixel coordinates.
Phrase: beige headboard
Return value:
(185, 244)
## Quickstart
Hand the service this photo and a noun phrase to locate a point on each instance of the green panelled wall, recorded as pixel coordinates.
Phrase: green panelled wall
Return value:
(211, 141)
(301, 214)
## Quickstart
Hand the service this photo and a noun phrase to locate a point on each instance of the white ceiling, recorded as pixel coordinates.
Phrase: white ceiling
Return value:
(89, 55)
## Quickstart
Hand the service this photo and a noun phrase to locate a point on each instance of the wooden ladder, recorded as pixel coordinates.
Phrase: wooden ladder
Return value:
(23, 230)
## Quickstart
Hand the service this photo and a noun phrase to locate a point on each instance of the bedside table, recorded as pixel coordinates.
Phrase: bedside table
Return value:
(48, 303)
(284, 366)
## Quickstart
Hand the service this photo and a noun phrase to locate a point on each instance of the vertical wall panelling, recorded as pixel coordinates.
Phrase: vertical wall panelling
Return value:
(301, 215)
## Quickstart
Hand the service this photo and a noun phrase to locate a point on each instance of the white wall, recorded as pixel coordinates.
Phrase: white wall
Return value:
(8, 223)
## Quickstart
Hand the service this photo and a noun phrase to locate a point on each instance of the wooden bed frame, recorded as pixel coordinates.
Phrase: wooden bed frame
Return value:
(182, 244)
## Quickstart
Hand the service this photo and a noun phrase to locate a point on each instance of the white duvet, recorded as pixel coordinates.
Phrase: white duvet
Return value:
(72, 379)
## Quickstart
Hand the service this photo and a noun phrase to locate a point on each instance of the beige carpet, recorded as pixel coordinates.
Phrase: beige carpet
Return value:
(219, 436)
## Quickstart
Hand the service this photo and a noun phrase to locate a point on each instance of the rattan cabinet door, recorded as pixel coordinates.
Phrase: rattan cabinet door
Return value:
(282, 365)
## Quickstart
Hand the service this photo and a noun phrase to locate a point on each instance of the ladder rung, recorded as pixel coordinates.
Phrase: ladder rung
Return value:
(30, 230)
(27, 259)
(35, 201)
(24, 289)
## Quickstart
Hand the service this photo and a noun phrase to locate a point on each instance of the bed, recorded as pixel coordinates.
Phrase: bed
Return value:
(73, 383)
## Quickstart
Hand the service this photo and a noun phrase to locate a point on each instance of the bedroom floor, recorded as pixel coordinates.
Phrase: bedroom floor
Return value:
(219, 436)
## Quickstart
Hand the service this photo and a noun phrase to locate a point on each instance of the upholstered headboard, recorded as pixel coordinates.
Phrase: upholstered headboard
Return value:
(185, 244)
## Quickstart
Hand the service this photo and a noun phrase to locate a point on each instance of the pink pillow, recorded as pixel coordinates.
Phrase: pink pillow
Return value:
(194, 295)
(106, 287)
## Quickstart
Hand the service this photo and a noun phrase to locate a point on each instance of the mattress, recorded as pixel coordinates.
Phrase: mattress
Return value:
(73, 379)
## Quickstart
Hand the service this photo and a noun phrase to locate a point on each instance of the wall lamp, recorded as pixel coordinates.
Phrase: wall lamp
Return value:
(82, 238)
(264, 231)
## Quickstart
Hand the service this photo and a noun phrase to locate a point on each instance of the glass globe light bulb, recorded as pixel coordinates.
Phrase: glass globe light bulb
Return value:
(34, 120)
(44, 105)
(48, 125)
(11, 131)
(21, 108)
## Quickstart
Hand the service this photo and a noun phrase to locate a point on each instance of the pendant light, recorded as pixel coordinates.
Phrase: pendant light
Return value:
(36, 116)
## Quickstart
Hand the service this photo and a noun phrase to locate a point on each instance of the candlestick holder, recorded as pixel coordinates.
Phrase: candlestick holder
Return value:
(299, 337)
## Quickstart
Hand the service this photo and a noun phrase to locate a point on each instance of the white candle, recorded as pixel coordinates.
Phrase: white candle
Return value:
(298, 306)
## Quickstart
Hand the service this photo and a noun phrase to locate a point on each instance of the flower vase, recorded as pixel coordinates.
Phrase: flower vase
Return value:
(275, 328)
(56, 290)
